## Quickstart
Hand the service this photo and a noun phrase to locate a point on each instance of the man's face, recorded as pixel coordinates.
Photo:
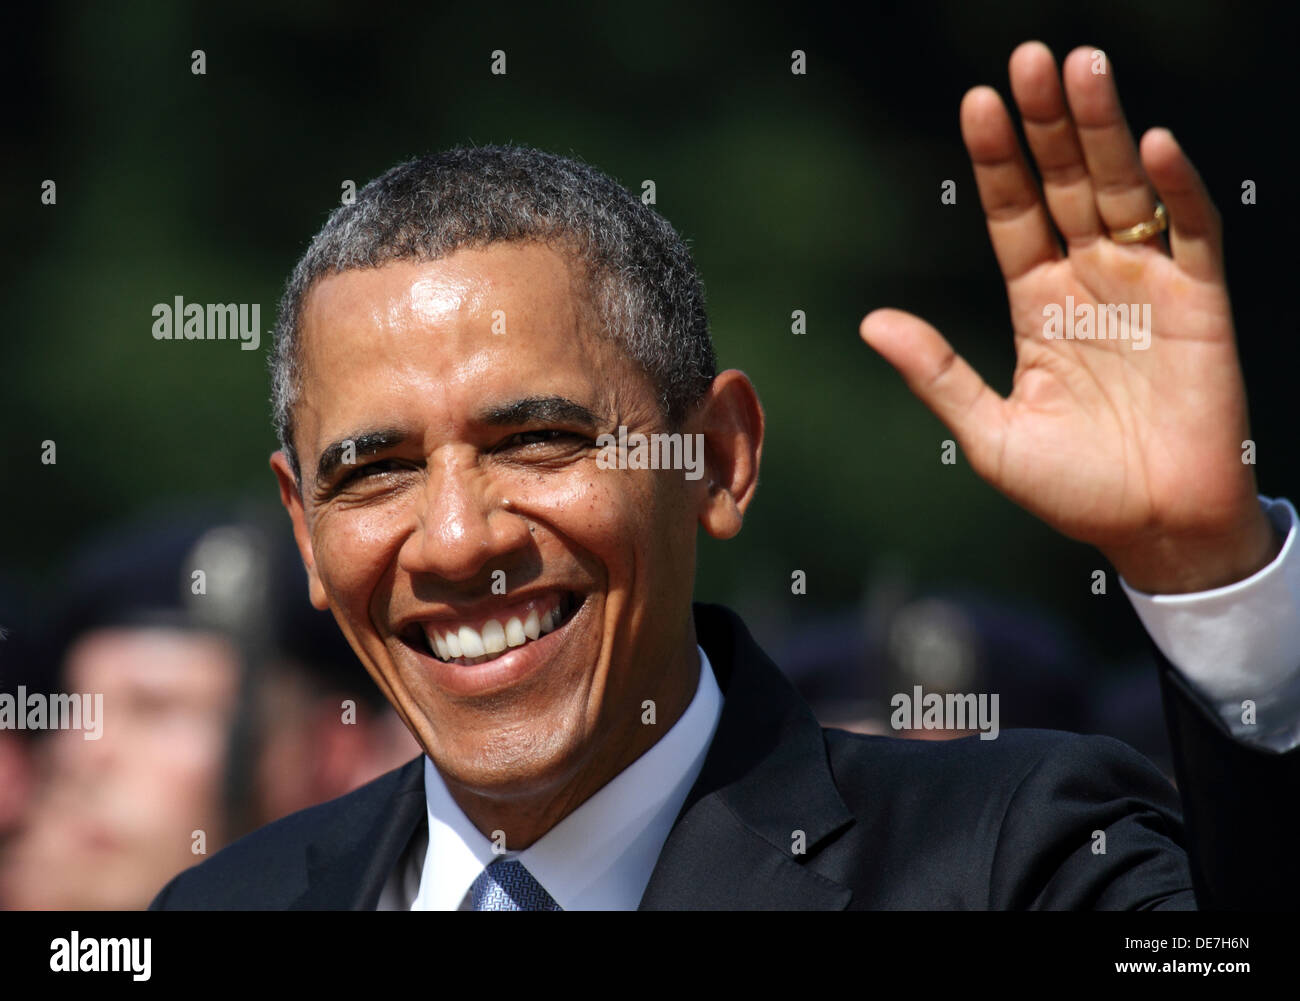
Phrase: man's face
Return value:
(119, 813)
(473, 391)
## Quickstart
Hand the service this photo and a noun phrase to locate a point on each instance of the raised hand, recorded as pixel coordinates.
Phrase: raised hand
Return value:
(1132, 444)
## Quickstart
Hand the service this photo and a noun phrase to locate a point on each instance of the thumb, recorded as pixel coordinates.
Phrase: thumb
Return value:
(940, 378)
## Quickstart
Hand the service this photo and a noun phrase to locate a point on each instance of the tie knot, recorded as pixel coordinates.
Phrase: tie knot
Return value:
(505, 885)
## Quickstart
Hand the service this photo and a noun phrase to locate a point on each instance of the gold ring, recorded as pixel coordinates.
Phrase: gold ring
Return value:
(1143, 230)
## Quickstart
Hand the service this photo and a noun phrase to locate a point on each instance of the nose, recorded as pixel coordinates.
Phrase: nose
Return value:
(461, 525)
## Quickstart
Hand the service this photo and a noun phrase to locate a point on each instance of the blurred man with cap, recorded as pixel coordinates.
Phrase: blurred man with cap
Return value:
(230, 702)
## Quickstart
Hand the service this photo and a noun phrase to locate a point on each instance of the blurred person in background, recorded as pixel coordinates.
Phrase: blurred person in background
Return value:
(228, 702)
(113, 815)
(850, 664)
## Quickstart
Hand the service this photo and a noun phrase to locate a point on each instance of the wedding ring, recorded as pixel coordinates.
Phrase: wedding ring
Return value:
(1143, 230)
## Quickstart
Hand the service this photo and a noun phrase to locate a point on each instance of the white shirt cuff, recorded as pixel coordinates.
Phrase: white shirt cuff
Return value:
(1240, 643)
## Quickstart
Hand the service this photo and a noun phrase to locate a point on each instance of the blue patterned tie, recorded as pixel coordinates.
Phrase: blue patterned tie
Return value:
(506, 885)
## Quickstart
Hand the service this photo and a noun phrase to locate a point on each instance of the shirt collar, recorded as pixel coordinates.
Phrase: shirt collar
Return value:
(601, 855)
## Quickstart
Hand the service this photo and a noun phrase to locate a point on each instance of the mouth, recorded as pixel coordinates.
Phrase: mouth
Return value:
(480, 640)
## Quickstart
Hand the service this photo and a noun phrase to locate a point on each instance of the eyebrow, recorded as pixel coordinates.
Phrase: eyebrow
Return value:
(540, 409)
(366, 443)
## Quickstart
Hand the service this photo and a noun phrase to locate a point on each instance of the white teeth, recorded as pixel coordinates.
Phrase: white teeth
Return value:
(494, 637)
(471, 643)
(474, 646)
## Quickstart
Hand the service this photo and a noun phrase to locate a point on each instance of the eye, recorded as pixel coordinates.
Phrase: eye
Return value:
(544, 436)
(370, 469)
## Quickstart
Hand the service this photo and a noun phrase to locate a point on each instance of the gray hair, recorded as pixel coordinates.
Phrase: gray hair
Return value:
(641, 281)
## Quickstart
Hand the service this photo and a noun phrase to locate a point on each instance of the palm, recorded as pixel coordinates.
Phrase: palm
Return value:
(1095, 438)
(1100, 439)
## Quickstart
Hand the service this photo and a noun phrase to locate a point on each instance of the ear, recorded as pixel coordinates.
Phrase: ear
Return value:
(731, 420)
(291, 498)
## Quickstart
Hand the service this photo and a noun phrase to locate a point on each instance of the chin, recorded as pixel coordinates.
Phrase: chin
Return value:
(505, 760)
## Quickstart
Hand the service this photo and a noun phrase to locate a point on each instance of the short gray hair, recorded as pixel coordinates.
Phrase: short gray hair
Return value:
(640, 277)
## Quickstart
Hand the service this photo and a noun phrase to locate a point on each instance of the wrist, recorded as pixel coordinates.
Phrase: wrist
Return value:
(1200, 562)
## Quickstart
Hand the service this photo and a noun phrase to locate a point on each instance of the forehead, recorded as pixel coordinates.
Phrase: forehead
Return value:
(158, 659)
(468, 278)
(388, 346)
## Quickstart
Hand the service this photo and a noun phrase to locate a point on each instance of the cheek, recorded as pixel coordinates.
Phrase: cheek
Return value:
(194, 774)
(353, 548)
(603, 511)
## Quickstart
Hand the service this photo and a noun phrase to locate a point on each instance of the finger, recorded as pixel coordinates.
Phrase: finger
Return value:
(1054, 143)
(1123, 193)
(932, 370)
(1195, 230)
(1017, 219)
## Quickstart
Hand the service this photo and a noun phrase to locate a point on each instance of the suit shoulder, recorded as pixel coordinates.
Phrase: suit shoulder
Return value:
(267, 868)
(1007, 748)
(983, 767)
(1007, 823)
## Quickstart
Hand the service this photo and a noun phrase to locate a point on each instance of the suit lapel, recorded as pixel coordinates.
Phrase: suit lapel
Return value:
(765, 778)
(349, 862)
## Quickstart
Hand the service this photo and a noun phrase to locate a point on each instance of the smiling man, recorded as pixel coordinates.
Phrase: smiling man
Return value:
(452, 352)
(476, 463)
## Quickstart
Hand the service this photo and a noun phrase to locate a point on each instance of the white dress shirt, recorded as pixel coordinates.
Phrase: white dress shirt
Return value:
(1231, 644)
(1240, 642)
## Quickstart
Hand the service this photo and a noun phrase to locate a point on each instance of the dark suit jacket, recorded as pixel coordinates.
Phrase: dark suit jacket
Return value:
(887, 823)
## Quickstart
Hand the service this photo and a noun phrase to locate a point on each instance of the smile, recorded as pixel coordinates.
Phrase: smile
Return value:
(467, 642)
